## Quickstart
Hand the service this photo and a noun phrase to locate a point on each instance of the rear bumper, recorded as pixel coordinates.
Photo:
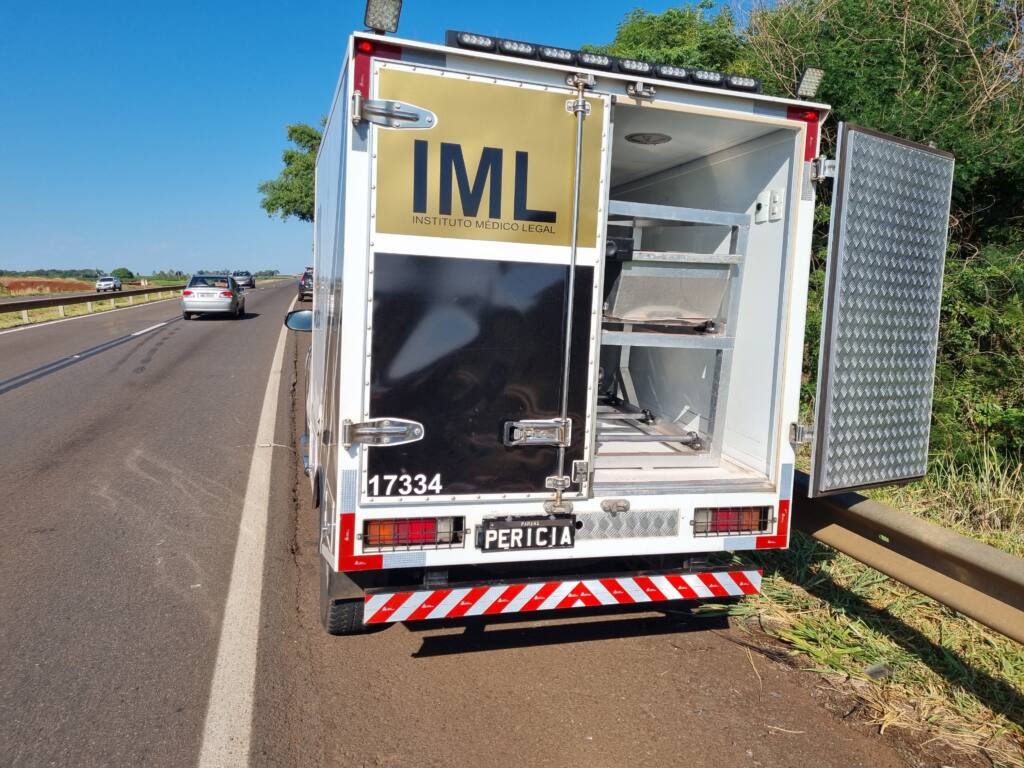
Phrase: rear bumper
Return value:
(390, 605)
(207, 306)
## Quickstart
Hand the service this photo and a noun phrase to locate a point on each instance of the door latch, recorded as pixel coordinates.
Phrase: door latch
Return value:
(380, 432)
(555, 432)
(390, 114)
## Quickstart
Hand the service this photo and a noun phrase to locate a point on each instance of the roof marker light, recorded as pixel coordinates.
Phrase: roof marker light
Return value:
(561, 55)
(516, 48)
(671, 72)
(634, 67)
(594, 60)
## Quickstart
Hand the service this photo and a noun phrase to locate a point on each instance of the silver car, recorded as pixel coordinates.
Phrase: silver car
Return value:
(108, 283)
(212, 294)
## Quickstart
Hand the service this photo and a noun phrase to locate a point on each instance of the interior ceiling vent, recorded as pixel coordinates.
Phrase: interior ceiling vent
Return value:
(648, 139)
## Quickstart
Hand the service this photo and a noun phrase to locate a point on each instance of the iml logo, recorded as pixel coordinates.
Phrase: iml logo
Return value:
(490, 173)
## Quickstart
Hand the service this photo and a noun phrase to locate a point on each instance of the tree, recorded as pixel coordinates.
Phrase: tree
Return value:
(123, 272)
(292, 192)
(682, 36)
(950, 72)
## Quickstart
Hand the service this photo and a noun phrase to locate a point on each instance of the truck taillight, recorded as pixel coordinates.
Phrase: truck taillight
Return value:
(186, 293)
(720, 521)
(413, 532)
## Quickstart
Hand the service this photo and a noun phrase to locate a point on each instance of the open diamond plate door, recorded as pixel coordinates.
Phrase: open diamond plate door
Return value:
(876, 370)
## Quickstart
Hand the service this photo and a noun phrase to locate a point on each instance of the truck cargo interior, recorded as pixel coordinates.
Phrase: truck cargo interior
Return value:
(696, 282)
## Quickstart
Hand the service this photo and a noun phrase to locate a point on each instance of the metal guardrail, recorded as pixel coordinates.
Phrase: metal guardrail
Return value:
(56, 300)
(973, 578)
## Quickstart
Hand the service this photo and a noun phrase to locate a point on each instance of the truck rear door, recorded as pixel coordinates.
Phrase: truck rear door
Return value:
(887, 246)
(473, 189)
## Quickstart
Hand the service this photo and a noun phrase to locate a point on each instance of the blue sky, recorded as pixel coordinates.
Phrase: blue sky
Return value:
(135, 134)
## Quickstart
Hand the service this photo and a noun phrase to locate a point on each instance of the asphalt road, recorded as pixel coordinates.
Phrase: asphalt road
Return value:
(123, 474)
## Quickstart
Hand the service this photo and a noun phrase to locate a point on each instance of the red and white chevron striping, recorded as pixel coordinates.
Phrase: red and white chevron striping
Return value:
(382, 607)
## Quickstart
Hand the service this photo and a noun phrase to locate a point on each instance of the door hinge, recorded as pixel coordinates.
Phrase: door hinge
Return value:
(640, 90)
(580, 80)
(800, 434)
(556, 432)
(380, 432)
(390, 114)
(580, 472)
(823, 168)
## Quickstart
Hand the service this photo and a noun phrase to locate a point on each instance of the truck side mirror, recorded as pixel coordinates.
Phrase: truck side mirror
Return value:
(299, 320)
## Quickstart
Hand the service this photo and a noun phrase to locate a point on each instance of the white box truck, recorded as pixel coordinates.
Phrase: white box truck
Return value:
(558, 320)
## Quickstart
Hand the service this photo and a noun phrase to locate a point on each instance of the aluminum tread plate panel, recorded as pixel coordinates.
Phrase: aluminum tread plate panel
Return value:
(881, 319)
(631, 524)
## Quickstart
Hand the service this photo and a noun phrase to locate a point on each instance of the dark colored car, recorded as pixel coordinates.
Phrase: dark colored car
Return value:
(244, 278)
(306, 285)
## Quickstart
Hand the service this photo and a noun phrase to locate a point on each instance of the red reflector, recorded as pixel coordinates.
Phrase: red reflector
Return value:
(809, 116)
(226, 294)
(388, 533)
(186, 293)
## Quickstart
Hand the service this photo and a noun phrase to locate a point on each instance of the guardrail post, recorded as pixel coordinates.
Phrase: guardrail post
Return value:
(24, 315)
(60, 310)
(112, 303)
(88, 307)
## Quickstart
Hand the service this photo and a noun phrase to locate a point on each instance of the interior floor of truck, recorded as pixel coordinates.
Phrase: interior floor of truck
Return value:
(727, 474)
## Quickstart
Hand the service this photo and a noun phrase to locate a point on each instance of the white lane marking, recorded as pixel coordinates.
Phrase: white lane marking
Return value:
(228, 727)
(151, 328)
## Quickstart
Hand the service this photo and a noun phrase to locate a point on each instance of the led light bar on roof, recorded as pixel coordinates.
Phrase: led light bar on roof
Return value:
(706, 77)
(469, 40)
(602, 61)
(634, 67)
(743, 83)
(560, 55)
(672, 72)
(516, 48)
(595, 60)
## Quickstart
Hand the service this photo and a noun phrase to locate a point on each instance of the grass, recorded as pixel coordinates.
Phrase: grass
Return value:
(911, 662)
(102, 303)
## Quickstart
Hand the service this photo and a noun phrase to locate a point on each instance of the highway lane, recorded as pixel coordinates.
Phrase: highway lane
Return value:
(122, 478)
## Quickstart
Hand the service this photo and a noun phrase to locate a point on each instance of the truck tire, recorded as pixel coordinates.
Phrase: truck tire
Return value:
(344, 617)
(341, 617)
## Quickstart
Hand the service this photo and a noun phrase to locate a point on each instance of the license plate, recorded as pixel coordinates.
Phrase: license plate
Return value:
(525, 533)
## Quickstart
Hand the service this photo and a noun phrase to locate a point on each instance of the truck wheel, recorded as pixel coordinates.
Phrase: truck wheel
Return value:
(341, 617)
(344, 617)
(186, 316)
